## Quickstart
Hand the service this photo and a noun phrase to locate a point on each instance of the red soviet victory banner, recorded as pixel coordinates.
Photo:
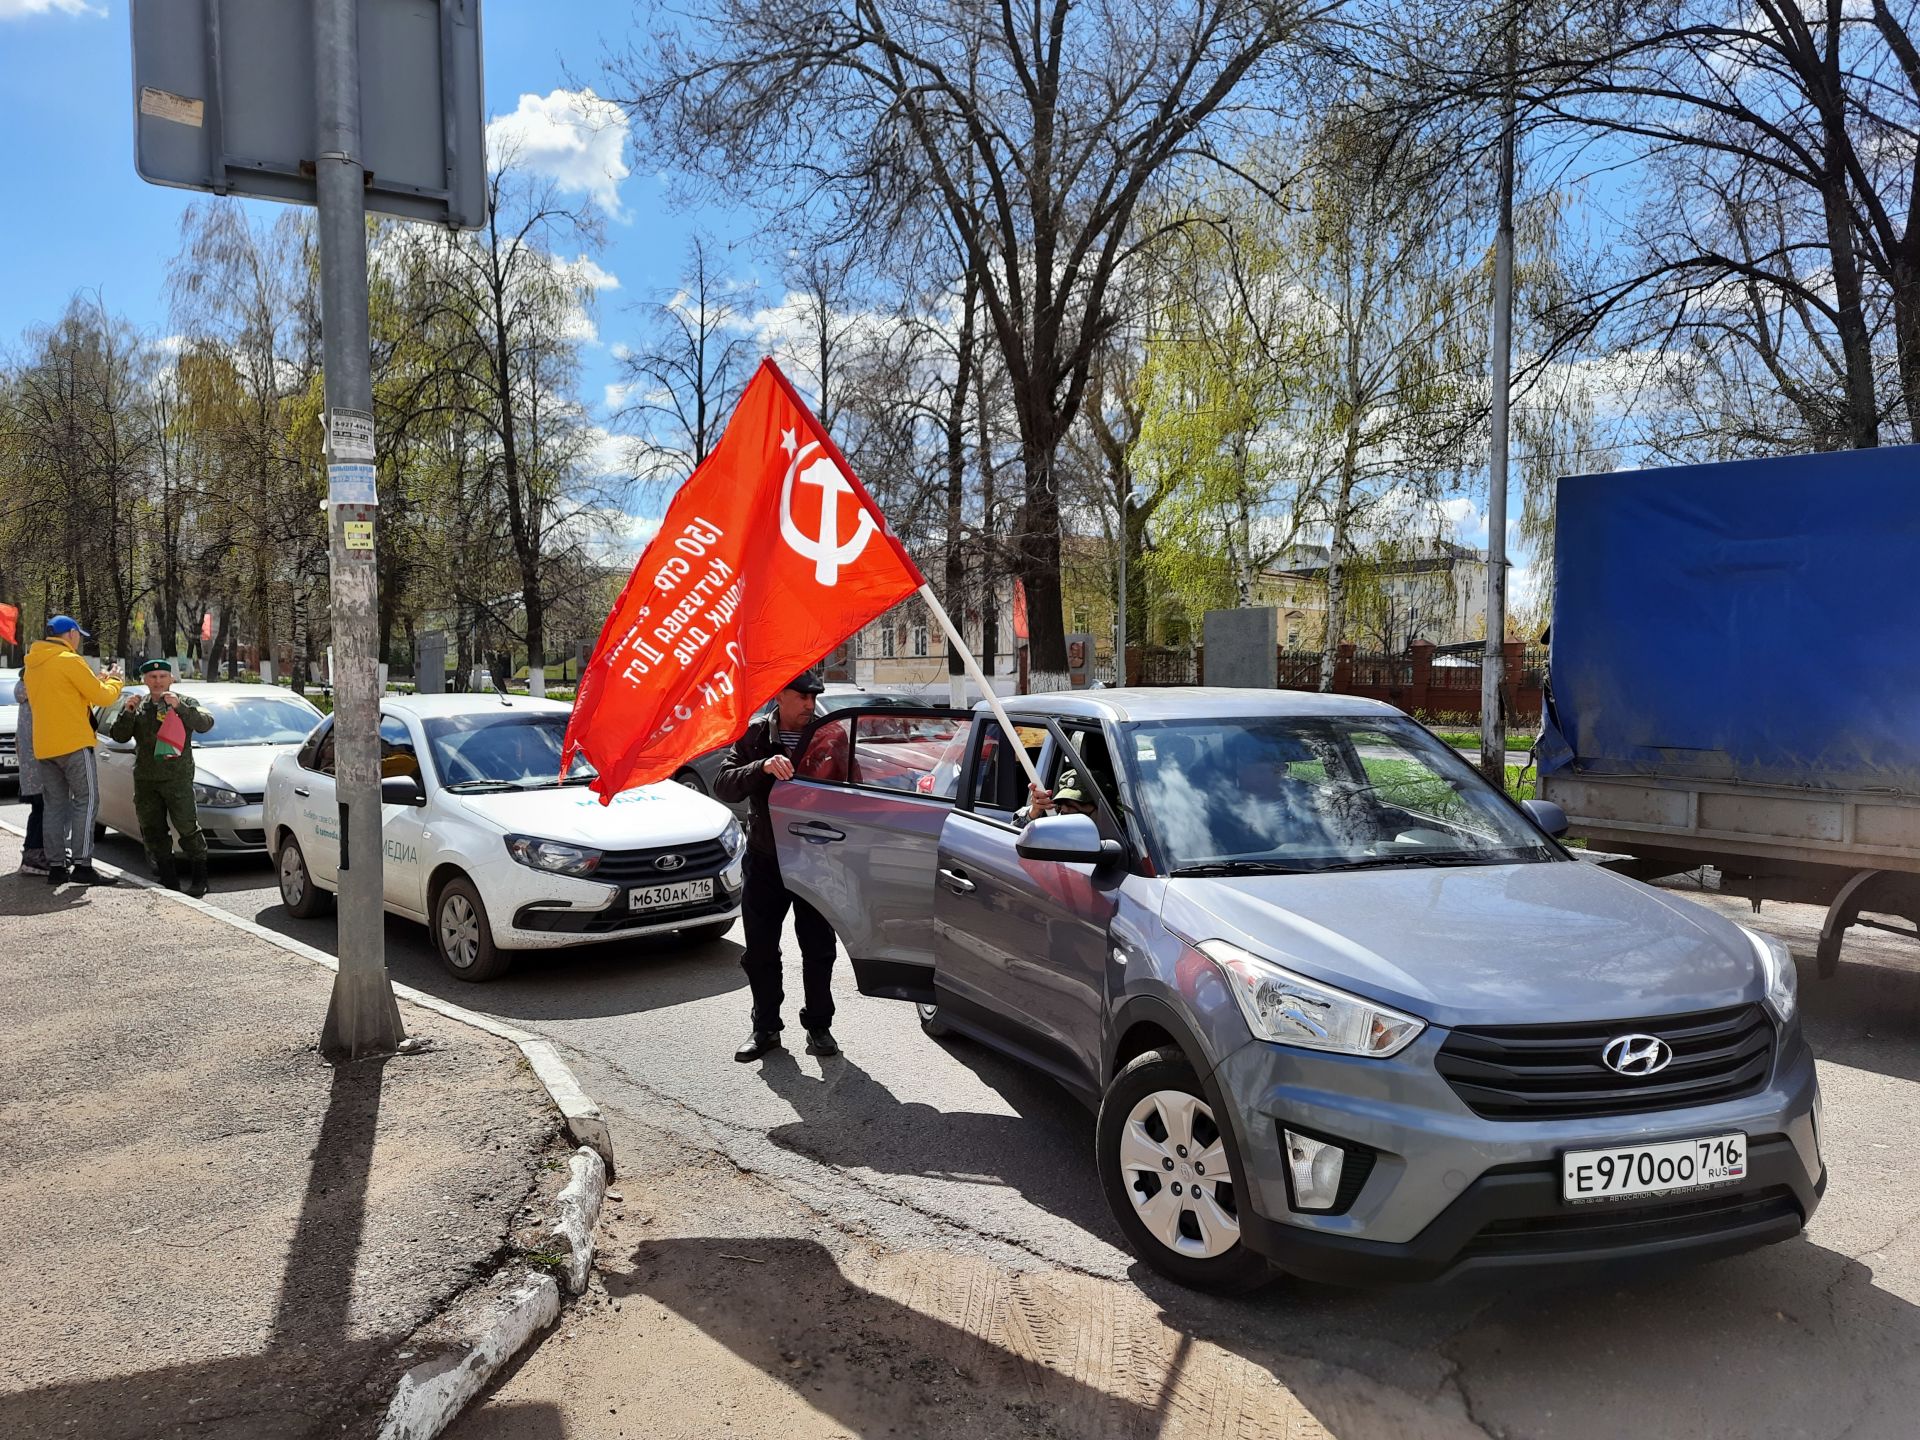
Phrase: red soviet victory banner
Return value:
(10, 623)
(771, 554)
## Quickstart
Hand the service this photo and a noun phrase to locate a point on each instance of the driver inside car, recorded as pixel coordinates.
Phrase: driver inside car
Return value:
(1070, 796)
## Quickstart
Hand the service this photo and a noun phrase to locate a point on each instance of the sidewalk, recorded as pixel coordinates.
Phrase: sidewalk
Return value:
(211, 1231)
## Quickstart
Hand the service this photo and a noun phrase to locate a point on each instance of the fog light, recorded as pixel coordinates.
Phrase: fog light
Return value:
(1315, 1167)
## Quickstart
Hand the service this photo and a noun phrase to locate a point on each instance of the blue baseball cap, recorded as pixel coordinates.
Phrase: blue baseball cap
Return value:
(61, 624)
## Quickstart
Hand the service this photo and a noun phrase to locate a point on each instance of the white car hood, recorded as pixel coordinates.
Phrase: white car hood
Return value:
(9, 717)
(662, 814)
(237, 767)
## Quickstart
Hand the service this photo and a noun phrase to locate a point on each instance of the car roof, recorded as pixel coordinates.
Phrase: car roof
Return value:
(425, 707)
(1189, 702)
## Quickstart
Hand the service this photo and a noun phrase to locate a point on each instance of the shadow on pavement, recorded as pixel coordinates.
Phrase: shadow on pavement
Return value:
(1788, 1341)
(874, 1365)
(313, 1373)
(1044, 1151)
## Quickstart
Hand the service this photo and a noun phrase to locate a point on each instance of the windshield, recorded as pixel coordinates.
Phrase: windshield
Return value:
(502, 748)
(270, 720)
(1284, 794)
(827, 704)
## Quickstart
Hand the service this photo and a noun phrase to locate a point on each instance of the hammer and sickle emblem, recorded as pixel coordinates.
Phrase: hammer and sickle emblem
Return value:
(827, 550)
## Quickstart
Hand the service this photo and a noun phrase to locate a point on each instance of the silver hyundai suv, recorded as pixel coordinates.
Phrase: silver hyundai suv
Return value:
(1344, 1009)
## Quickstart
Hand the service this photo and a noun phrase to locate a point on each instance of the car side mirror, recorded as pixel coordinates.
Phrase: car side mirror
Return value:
(1066, 839)
(401, 790)
(1547, 815)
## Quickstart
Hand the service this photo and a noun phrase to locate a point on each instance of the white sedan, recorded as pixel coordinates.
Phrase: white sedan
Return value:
(252, 724)
(493, 851)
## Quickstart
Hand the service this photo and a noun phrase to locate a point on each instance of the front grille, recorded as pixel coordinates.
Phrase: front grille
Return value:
(240, 839)
(1605, 1226)
(642, 867)
(612, 921)
(1554, 1072)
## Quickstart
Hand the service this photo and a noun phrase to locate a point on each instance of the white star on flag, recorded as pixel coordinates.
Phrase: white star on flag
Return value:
(787, 442)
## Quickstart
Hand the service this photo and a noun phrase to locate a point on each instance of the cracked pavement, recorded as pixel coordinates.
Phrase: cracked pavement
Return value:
(918, 1210)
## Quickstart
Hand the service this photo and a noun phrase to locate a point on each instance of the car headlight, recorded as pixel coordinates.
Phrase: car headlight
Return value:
(217, 797)
(1783, 981)
(1290, 1009)
(555, 856)
(733, 838)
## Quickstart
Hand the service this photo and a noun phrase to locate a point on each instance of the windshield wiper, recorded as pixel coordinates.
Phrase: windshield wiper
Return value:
(1235, 867)
(481, 787)
(1383, 862)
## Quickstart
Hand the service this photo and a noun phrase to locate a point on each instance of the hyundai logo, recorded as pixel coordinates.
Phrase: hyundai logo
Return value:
(1637, 1054)
(674, 862)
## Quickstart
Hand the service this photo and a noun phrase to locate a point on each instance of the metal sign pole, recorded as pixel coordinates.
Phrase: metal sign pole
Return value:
(362, 1018)
(1493, 723)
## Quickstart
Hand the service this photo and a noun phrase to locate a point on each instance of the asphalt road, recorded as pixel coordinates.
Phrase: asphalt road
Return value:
(921, 1145)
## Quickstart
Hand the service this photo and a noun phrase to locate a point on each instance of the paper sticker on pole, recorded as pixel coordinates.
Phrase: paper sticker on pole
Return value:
(771, 554)
(351, 485)
(349, 435)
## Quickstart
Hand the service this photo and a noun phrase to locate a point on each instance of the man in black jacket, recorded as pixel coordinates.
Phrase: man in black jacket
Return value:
(761, 759)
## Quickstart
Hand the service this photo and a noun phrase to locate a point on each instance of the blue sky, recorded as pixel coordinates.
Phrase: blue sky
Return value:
(83, 220)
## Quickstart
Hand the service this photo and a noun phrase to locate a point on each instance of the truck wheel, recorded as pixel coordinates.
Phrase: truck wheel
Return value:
(1171, 1175)
(690, 778)
(463, 936)
(303, 899)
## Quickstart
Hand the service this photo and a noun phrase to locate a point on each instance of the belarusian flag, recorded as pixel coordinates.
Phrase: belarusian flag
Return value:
(173, 736)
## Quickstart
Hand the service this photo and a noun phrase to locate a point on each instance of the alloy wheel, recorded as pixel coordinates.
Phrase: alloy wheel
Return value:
(1174, 1162)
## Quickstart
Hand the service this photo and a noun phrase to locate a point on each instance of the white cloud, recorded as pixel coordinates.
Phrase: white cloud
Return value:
(608, 453)
(572, 136)
(22, 9)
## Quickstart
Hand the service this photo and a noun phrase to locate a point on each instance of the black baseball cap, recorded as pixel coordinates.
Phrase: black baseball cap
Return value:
(807, 682)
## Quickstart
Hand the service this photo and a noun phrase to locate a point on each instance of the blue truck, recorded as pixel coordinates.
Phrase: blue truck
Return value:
(1735, 678)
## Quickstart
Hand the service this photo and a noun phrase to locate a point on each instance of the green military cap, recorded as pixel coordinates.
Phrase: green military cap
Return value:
(166, 665)
(1071, 789)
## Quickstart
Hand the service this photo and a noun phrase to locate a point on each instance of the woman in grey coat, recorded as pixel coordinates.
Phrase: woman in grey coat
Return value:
(33, 859)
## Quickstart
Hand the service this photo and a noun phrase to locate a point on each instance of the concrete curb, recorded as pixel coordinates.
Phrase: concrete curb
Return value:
(430, 1395)
(492, 1326)
(584, 1122)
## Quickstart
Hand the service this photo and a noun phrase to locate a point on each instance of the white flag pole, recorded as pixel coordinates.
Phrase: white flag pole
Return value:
(959, 643)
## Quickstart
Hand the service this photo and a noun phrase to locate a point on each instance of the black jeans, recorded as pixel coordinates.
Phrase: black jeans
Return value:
(763, 911)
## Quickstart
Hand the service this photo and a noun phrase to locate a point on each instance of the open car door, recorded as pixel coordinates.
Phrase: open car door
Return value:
(858, 832)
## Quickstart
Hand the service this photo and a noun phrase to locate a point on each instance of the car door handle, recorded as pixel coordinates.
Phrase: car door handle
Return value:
(303, 794)
(957, 880)
(816, 832)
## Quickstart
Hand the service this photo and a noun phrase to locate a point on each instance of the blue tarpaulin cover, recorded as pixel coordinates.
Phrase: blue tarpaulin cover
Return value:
(1755, 621)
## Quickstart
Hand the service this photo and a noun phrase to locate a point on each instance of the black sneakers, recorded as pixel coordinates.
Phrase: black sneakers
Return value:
(821, 1042)
(58, 874)
(87, 875)
(757, 1044)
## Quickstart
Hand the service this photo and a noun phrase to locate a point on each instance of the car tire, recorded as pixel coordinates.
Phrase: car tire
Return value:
(702, 934)
(931, 1022)
(691, 779)
(1156, 1108)
(463, 936)
(304, 899)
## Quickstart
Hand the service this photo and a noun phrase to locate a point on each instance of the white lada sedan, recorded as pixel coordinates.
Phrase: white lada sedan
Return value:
(492, 850)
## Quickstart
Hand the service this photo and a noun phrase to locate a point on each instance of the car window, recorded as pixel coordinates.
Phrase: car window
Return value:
(319, 753)
(999, 780)
(1312, 793)
(397, 757)
(912, 753)
(514, 749)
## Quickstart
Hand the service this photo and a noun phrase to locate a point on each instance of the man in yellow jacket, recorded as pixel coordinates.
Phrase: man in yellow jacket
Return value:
(61, 688)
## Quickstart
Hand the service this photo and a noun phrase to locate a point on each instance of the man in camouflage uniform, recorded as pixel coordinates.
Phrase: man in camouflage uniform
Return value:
(162, 780)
